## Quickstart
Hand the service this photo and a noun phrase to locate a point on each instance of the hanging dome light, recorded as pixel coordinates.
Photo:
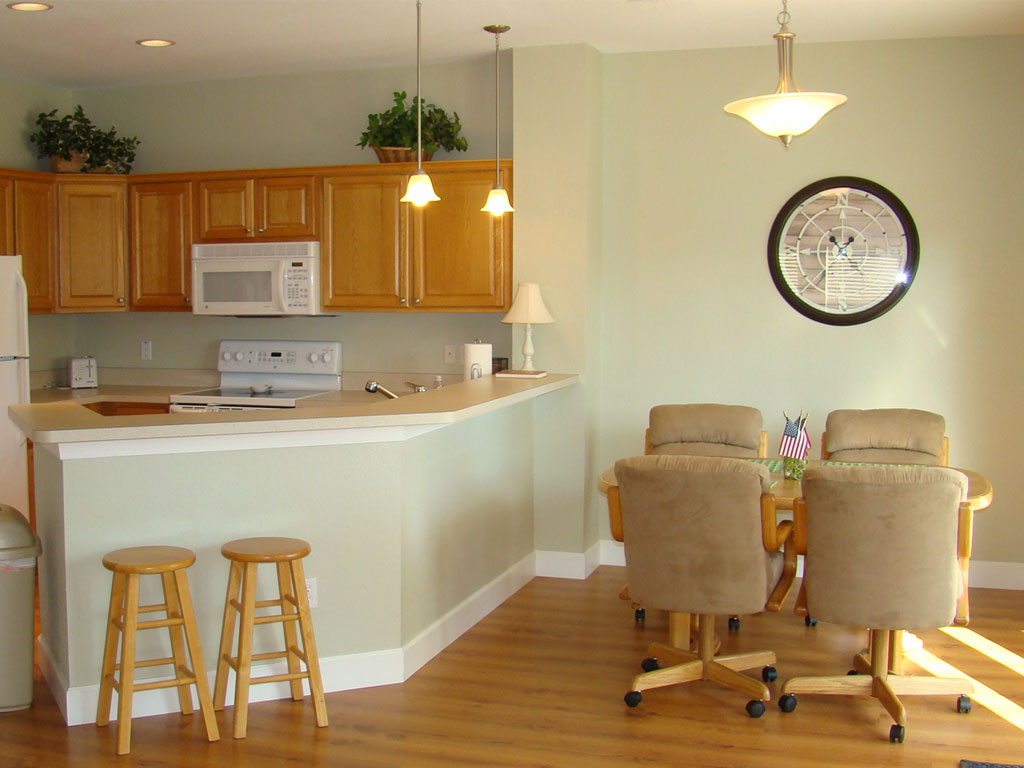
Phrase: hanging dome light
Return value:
(420, 190)
(789, 111)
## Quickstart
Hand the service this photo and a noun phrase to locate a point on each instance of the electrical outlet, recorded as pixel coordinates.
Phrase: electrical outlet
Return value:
(146, 350)
(449, 355)
(311, 591)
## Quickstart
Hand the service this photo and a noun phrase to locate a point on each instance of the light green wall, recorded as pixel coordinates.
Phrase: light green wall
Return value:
(21, 103)
(292, 120)
(690, 312)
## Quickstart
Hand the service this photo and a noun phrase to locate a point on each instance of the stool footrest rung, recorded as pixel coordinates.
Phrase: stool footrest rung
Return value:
(279, 678)
(149, 662)
(276, 618)
(171, 683)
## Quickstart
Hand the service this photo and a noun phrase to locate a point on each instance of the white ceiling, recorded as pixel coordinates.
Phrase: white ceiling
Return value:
(90, 43)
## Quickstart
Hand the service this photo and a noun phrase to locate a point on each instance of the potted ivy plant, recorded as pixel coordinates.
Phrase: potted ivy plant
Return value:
(74, 144)
(392, 133)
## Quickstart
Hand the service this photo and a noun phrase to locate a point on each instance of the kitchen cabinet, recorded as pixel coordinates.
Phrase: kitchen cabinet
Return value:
(35, 238)
(7, 215)
(270, 208)
(91, 250)
(161, 245)
(381, 254)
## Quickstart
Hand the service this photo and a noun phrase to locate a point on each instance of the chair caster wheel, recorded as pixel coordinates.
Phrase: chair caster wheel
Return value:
(769, 675)
(633, 698)
(755, 708)
(649, 665)
(734, 623)
(852, 672)
(963, 704)
(787, 702)
(810, 622)
(639, 615)
(897, 733)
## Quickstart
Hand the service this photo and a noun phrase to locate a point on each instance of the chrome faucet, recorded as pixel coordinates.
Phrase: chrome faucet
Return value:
(373, 386)
(416, 387)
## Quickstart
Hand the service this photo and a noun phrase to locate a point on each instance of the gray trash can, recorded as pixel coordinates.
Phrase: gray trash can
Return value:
(19, 548)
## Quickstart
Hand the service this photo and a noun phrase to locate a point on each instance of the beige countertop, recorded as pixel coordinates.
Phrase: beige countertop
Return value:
(59, 415)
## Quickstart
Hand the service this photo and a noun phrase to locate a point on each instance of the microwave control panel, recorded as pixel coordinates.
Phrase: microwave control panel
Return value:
(299, 285)
(287, 357)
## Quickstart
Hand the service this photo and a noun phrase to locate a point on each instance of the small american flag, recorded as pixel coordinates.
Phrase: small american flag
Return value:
(795, 442)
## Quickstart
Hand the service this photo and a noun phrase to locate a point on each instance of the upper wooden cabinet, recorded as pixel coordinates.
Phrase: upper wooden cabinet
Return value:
(379, 253)
(271, 208)
(35, 238)
(7, 215)
(91, 249)
(161, 245)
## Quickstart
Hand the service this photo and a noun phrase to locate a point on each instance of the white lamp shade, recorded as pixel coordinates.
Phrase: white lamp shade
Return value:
(528, 306)
(497, 202)
(786, 114)
(420, 191)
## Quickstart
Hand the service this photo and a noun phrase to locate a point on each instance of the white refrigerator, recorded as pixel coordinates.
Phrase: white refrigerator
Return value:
(13, 382)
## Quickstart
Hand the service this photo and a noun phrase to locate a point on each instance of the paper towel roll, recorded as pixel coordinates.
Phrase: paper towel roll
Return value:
(476, 360)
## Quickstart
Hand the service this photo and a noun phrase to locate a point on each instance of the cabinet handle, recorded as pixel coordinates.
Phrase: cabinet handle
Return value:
(188, 299)
(402, 300)
(248, 231)
(120, 300)
(416, 301)
(261, 229)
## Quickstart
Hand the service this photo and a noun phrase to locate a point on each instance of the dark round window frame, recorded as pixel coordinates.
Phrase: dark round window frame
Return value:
(852, 318)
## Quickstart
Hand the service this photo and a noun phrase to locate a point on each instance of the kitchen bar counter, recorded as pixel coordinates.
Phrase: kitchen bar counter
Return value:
(59, 416)
(422, 513)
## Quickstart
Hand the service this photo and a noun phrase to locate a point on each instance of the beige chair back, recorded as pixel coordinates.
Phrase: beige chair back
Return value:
(882, 545)
(886, 436)
(692, 532)
(706, 429)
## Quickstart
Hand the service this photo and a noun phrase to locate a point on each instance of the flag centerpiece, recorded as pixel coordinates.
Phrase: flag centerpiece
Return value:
(794, 445)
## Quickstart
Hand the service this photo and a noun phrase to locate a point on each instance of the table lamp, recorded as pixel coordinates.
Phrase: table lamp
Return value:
(528, 307)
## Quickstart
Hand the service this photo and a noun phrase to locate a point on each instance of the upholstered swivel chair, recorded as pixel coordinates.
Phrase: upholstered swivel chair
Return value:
(706, 429)
(886, 436)
(882, 547)
(701, 538)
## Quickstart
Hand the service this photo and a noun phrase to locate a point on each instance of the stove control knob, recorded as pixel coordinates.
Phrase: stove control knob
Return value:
(225, 356)
(238, 356)
(327, 357)
(314, 357)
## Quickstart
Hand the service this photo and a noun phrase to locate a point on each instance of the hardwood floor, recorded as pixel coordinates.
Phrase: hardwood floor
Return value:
(540, 682)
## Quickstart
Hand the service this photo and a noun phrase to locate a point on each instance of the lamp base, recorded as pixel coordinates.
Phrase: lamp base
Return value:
(521, 374)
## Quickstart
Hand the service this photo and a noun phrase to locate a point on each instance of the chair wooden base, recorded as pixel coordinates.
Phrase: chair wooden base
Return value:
(880, 676)
(123, 622)
(245, 556)
(676, 665)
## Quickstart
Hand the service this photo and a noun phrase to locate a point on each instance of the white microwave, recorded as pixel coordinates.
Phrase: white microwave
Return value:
(265, 279)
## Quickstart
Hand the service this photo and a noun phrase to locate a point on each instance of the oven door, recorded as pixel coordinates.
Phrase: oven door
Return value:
(234, 286)
(217, 408)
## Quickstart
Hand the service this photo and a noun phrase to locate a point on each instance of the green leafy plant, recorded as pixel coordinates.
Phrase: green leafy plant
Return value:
(75, 133)
(397, 127)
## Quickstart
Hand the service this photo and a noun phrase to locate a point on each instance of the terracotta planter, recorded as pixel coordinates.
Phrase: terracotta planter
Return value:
(74, 165)
(399, 154)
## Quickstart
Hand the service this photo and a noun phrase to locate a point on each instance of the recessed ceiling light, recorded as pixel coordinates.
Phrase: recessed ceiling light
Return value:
(154, 43)
(29, 6)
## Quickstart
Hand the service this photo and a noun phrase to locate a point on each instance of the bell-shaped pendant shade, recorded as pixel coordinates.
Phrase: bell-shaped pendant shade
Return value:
(497, 202)
(420, 191)
(785, 114)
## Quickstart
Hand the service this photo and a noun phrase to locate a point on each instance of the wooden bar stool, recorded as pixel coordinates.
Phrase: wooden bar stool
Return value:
(245, 555)
(170, 564)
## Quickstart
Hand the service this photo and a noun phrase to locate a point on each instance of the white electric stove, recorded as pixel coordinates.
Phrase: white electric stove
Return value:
(266, 374)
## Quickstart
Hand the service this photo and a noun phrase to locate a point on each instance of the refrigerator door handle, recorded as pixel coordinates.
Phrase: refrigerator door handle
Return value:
(21, 302)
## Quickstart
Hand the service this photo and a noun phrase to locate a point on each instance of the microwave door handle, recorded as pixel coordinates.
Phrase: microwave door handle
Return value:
(283, 287)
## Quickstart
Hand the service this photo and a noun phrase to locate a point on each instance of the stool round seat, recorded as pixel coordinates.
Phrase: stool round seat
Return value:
(265, 549)
(149, 559)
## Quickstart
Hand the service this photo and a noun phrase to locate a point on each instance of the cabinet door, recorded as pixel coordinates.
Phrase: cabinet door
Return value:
(161, 245)
(91, 249)
(35, 238)
(462, 256)
(365, 256)
(286, 207)
(7, 216)
(225, 209)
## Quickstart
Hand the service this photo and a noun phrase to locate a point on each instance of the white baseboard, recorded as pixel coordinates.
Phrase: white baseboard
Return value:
(568, 565)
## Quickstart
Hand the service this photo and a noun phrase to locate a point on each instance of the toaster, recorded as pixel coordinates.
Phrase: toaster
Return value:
(82, 372)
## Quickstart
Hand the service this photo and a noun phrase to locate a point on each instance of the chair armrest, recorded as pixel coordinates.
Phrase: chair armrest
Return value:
(964, 544)
(800, 526)
(778, 535)
(648, 448)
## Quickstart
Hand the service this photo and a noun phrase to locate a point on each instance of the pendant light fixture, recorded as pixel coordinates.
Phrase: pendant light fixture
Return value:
(789, 111)
(497, 199)
(420, 191)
